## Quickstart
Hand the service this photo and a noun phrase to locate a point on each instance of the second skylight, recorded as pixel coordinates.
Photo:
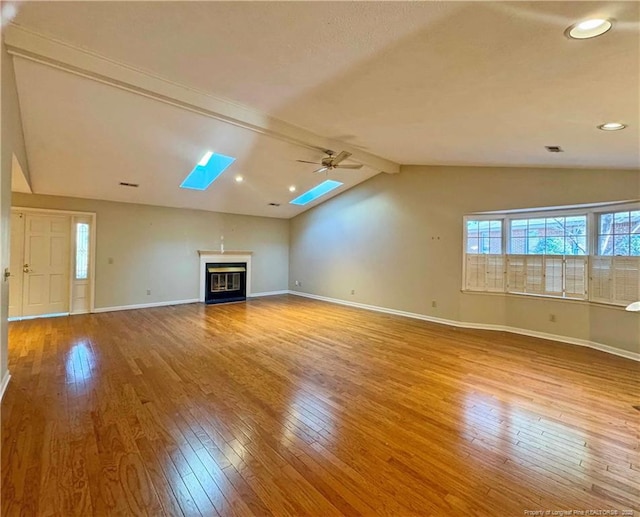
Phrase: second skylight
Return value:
(316, 192)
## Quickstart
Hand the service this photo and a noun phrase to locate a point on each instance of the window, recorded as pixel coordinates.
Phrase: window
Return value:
(485, 262)
(210, 166)
(615, 271)
(558, 235)
(615, 279)
(547, 275)
(484, 236)
(82, 251)
(318, 191)
(485, 273)
(619, 233)
(577, 254)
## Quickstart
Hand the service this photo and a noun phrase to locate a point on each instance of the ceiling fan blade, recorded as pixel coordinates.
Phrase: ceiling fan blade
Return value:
(322, 169)
(342, 156)
(305, 161)
(349, 166)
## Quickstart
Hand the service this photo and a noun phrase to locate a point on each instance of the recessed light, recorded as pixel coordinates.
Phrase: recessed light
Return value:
(239, 179)
(588, 28)
(8, 13)
(292, 188)
(611, 126)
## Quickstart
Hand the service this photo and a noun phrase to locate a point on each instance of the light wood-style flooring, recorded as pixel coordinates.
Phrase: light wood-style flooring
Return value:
(289, 406)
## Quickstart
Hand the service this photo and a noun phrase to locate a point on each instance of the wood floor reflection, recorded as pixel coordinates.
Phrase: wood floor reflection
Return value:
(288, 406)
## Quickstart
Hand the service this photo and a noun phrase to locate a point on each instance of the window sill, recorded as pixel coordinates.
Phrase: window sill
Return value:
(543, 297)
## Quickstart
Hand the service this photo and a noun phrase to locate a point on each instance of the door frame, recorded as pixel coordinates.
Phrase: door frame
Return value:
(91, 216)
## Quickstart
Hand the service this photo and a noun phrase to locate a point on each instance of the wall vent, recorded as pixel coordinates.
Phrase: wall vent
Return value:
(554, 148)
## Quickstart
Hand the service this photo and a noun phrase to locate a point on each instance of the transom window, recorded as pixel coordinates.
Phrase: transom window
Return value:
(589, 254)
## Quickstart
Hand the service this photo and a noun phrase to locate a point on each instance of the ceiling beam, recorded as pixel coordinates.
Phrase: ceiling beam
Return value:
(43, 49)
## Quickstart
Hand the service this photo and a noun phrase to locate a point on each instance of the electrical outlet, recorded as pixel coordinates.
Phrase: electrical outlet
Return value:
(353, 291)
(434, 303)
(148, 292)
(552, 318)
(297, 283)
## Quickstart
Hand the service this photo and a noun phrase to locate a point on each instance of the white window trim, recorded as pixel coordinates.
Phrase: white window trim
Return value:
(592, 213)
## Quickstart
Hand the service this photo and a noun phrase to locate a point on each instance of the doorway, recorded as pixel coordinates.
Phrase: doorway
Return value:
(51, 263)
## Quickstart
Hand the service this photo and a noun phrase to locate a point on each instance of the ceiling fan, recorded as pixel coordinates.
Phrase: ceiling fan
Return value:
(332, 161)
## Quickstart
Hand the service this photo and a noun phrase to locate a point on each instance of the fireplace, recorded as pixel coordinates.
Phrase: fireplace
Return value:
(225, 282)
(215, 258)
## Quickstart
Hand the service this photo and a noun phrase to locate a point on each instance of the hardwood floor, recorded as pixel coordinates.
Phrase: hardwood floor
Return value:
(288, 406)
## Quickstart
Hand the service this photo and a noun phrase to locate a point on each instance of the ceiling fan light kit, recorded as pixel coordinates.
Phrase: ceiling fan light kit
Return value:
(333, 161)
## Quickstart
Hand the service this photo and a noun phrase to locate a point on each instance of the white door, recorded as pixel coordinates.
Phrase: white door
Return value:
(15, 264)
(45, 288)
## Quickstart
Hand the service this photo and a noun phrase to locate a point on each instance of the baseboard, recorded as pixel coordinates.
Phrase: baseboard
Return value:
(5, 383)
(268, 293)
(479, 326)
(143, 305)
(22, 318)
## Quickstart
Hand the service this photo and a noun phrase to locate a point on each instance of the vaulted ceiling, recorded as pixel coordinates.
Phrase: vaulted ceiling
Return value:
(138, 91)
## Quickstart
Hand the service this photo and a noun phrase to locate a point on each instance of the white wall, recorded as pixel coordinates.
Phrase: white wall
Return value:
(397, 241)
(12, 143)
(156, 248)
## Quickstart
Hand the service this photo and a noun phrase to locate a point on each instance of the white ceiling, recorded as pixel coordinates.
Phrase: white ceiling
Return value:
(477, 83)
(84, 138)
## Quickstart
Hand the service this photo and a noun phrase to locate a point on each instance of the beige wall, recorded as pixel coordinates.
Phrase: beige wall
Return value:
(12, 142)
(156, 248)
(397, 241)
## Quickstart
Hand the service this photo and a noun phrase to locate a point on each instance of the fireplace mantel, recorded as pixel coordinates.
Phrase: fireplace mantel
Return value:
(219, 253)
(226, 256)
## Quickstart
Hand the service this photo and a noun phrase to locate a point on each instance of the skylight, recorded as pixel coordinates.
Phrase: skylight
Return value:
(316, 192)
(205, 159)
(210, 166)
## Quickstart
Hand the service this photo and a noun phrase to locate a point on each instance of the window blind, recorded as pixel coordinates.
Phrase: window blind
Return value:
(550, 275)
(615, 279)
(484, 273)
